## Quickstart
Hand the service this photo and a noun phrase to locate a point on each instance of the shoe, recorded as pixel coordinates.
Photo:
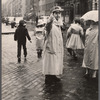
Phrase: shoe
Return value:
(25, 59)
(94, 77)
(86, 76)
(56, 79)
(19, 60)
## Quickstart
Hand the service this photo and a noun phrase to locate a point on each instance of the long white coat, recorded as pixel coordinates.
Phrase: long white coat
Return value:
(91, 56)
(53, 63)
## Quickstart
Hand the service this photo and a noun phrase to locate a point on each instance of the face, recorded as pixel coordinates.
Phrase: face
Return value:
(57, 14)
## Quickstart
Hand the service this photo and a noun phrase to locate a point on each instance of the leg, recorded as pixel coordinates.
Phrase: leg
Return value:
(94, 74)
(19, 52)
(37, 53)
(87, 75)
(25, 50)
(70, 51)
(74, 54)
(51, 79)
(47, 79)
(40, 53)
(87, 71)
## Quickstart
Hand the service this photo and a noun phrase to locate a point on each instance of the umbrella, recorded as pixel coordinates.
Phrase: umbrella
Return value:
(91, 15)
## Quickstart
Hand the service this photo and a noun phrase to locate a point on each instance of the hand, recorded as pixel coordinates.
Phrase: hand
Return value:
(51, 18)
(51, 52)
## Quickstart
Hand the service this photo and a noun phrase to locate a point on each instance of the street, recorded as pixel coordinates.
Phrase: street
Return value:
(25, 81)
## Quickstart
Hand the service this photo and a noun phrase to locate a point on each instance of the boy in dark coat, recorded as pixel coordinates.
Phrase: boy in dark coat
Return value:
(20, 36)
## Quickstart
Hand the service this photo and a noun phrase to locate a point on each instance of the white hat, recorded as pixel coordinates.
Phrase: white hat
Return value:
(57, 8)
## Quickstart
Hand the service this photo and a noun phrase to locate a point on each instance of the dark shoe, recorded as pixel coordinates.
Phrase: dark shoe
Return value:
(75, 57)
(56, 79)
(86, 76)
(19, 60)
(25, 59)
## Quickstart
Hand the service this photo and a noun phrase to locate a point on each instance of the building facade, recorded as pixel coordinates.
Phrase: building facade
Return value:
(15, 8)
(76, 8)
(32, 8)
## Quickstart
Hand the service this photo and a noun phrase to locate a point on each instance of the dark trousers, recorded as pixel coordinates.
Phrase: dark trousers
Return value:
(39, 53)
(19, 50)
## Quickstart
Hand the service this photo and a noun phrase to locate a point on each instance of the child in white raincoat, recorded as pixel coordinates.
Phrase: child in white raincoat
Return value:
(39, 40)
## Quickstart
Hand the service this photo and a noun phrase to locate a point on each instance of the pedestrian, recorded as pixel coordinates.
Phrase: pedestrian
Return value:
(20, 36)
(53, 52)
(39, 39)
(90, 60)
(36, 20)
(7, 21)
(74, 38)
(13, 23)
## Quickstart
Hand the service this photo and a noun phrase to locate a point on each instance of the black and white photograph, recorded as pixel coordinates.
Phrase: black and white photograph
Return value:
(50, 49)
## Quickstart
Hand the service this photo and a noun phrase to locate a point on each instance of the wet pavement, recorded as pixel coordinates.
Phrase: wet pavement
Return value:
(25, 81)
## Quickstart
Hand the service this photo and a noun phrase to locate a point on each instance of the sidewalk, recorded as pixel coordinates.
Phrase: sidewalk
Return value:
(25, 81)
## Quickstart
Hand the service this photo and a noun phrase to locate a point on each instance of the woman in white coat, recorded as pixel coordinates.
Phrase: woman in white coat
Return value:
(53, 53)
(90, 60)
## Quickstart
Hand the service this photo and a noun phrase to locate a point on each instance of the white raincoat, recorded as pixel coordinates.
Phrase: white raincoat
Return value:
(53, 63)
(91, 56)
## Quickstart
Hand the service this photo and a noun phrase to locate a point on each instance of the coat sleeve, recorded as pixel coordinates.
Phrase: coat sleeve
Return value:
(15, 35)
(50, 43)
(81, 32)
(27, 34)
(69, 32)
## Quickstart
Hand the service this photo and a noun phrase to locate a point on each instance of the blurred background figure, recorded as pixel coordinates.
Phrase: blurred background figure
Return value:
(90, 60)
(74, 38)
(13, 23)
(39, 39)
(7, 21)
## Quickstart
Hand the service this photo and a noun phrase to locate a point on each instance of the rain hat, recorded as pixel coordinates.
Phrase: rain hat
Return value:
(56, 9)
(21, 22)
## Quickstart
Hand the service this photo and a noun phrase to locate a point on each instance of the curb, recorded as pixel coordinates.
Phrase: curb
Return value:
(6, 33)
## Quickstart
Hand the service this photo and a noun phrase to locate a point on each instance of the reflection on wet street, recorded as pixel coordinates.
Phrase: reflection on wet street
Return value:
(53, 91)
